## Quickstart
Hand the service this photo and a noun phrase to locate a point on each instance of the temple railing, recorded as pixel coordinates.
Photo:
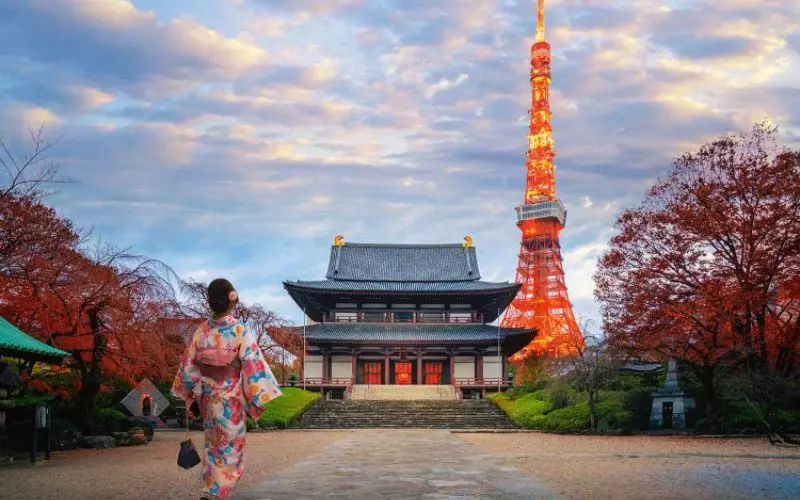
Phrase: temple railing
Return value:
(325, 381)
(480, 382)
(426, 317)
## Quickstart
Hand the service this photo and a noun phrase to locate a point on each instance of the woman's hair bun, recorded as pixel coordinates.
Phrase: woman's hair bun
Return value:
(219, 293)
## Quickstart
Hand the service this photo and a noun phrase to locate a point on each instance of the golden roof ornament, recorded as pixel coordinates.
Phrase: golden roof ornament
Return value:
(467, 241)
(338, 241)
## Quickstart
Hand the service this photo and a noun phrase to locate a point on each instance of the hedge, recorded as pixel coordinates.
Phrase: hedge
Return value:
(535, 411)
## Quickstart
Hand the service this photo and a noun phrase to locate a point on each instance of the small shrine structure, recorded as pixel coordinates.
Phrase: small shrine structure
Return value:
(670, 404)
(14, 343)
(145, 400)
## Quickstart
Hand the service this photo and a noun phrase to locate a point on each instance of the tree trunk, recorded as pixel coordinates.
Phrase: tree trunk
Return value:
(710, 393)
(592, 410)
(90, 383)
(761, 327)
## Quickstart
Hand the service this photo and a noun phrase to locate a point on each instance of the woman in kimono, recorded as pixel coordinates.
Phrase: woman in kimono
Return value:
(223, 376)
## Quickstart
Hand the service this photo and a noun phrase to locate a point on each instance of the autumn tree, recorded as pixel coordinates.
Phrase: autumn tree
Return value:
(28, 174)
(30, 230)
(590, 368)
(111, 310)
(704, 269)
(102, 306)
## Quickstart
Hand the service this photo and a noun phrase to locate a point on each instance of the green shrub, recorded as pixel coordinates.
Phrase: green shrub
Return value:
(572, 418)
(639, 404)
(560, 395)
(524, 409)
(538, 395)
(110, 420)
(740, 416)
(112, 398)
(503, 400)
(528, 408)
(33, 400)
(616, 396)
(64, 435)
(284, 410)
(613, 410)
(627, 382)
(535, 411)
(110, 414)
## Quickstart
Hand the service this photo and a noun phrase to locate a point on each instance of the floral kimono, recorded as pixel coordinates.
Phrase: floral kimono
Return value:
(224, 370)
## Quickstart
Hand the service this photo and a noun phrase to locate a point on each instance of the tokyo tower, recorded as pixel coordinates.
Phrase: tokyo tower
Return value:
(542, 301)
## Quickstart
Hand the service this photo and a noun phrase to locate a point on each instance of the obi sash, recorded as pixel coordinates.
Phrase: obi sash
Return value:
(218, 364)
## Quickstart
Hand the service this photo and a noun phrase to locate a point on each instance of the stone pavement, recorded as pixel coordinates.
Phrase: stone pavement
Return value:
(386, 464)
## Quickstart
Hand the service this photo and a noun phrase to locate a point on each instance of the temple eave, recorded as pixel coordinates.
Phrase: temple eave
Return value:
(385, 336)
(333, 287)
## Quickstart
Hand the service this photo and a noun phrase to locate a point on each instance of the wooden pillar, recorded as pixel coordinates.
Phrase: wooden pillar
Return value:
(386, 368)
(35, 435)
(502, 368)
(420, 379)
(354, 375)
(479, 373)
(324, 366)
(452, 355)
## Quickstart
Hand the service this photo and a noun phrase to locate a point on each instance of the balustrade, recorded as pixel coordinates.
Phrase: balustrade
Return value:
(480, 382)
(426, 317)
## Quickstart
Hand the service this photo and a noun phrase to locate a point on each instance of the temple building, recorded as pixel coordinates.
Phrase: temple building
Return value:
(405, 314)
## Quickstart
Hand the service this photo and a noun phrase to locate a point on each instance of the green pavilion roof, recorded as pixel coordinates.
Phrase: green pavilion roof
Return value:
(13, 342)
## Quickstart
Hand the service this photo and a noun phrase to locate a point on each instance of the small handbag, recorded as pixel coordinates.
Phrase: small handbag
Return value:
(187, 455)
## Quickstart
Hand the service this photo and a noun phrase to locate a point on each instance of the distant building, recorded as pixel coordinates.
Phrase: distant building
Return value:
(405, 314)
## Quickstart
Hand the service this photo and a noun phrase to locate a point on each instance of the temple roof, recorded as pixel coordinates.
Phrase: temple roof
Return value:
(316, 297)
(409, 286)
(512, 339)
(372, 272)
(13, 342)
(403, 263)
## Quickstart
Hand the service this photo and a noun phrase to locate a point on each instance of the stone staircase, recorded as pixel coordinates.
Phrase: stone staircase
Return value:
(394, 414)
(363, 392)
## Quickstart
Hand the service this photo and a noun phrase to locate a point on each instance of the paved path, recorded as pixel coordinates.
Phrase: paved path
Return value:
(385, 464)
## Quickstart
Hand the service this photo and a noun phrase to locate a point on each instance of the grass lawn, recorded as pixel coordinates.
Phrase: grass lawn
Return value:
(284, 410)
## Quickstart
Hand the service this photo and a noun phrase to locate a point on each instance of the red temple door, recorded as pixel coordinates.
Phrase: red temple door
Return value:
(372, 372)
(402, 373)
(433, 372)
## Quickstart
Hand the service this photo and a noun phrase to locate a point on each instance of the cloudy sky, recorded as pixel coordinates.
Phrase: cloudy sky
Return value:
(236, 137)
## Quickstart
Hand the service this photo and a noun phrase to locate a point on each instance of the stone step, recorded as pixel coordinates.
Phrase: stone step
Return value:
(362, 392)
(457, 414)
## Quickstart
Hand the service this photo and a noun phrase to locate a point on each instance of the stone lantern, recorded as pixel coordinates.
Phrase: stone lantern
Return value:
(670, 403)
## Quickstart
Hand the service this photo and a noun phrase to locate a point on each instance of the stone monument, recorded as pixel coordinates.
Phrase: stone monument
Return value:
(670, 403)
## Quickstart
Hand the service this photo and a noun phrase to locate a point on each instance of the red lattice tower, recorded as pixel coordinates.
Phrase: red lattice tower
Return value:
(542, 301)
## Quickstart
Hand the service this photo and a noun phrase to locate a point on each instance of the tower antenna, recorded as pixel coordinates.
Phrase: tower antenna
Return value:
(540, 22)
